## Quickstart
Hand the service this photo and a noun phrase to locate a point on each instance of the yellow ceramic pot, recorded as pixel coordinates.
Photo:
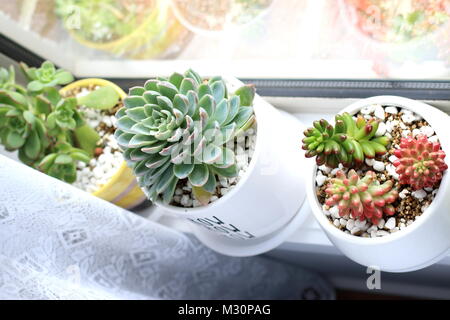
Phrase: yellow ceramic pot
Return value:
(122, 189)
(151, 39)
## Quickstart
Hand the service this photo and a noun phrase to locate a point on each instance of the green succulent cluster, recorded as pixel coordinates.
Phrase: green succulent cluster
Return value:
(100, 20)
(179, 128)
(349, 142)
(47, 130)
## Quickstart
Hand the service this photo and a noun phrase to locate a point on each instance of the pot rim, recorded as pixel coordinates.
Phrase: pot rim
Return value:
(432, 209)
(188, 212)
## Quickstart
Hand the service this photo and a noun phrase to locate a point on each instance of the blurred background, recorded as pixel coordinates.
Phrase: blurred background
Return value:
(339, 39)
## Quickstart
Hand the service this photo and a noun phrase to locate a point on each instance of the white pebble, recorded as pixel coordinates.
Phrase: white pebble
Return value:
(350, 224)
(355, 231)
(427, 130)
(334, 211)
(433, 139)
(419, 194)
(392, 171)
(416, 132)
(381, 131)
(408, 118)
(343, 222)
(362, 224)
(369, 162)
(391, 110)
(336, 222)
(390, 224)
(320, 179)
(406, 133)
(378, 166)
(325, 169)
(403, 194)
(381, 224)
(393, 158)
(379, 112)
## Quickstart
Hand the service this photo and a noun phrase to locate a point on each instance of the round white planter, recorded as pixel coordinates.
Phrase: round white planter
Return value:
(422, 243)
(271, 191)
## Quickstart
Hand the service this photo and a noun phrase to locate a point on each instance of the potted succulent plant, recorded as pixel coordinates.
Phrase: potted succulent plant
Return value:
(400, 36)
(203, 149)
(205, 17)
(135, 29)
(379, 187)
(63, 132)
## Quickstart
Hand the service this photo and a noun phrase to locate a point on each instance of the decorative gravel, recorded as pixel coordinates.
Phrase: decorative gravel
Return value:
(244, 147)
(108, 157)
(395, 124)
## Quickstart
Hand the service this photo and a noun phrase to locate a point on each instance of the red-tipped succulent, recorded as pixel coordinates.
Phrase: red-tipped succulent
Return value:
(361, 198)
(420, 162)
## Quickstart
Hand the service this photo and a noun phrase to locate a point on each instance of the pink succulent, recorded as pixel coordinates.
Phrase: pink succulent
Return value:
(362, 198)
(420, 162)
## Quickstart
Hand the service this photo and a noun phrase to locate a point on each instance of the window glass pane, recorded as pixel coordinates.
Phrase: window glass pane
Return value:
(344, 39)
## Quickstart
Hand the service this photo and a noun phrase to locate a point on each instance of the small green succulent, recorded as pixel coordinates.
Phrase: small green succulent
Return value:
(348, 142)
(61, 163)
(65, 115)
(47, 130)
(179, 128)
(46, 76)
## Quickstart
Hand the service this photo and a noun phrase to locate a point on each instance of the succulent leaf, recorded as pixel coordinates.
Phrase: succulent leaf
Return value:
(102, 98)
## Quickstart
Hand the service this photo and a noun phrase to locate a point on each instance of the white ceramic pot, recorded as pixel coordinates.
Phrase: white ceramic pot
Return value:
(272, 190)
(422, 243)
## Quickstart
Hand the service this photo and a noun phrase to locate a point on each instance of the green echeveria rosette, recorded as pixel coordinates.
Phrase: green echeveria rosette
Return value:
(349, 142)
(183, 128)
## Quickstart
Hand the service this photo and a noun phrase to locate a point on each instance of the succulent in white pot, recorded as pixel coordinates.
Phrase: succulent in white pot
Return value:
(380, 188)
(213, 152)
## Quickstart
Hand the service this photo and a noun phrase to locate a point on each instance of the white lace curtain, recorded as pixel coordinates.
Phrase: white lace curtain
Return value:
(57, 242)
